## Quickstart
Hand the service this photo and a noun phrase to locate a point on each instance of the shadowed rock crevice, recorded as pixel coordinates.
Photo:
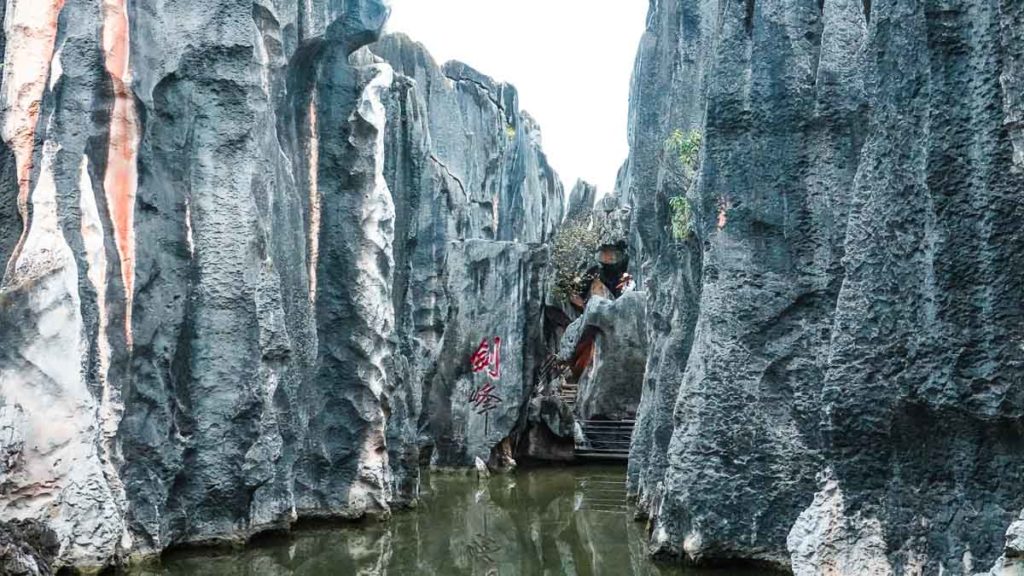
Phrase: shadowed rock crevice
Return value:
(10, 219)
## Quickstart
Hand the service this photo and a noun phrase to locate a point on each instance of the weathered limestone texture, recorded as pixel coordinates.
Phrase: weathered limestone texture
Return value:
(240, 253)
(610, 386)
(477, 202)
(848, 306)
(174, 313)
(495, 292)
(581, 200)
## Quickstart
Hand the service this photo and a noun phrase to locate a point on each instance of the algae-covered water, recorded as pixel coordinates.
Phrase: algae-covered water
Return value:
(558, 522)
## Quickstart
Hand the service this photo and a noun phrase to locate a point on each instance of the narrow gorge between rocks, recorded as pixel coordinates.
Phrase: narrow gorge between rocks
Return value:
(284, 295)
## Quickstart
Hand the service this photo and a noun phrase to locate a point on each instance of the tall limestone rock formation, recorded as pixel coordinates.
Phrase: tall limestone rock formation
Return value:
(477, 202)
(240, 254)
(834, 378)
(192, 346)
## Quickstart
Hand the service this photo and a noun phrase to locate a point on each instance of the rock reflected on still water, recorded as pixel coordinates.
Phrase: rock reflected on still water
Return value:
(571, 522)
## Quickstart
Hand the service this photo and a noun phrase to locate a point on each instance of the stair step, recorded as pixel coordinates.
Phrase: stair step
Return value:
(607, 440)
(602, 456)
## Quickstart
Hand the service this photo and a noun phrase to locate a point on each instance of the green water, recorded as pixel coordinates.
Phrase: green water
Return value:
(571, 521)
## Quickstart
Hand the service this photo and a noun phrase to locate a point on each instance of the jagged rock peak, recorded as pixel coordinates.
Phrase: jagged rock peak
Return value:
(581, 200)
(507, 190)
(245, 262)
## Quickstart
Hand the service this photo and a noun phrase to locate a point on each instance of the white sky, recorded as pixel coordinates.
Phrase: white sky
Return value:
(571, 61)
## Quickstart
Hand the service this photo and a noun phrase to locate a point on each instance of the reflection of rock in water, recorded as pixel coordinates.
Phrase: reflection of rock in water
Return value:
(570, 522)
(363, 551)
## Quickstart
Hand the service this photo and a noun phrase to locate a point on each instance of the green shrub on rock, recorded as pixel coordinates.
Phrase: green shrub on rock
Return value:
(682, 217)
(685, 146)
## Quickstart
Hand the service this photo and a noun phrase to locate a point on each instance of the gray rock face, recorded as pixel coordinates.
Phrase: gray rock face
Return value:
(1011, 563)
(476, 200)
(554, 415)
(581, 200)
(848, 307)
(215, 315)
(495, 291)
(610, 387)
(1012, 78)
(612, 220)
(496, 180)
(194, 296)
(663, 100)
(1015, 538)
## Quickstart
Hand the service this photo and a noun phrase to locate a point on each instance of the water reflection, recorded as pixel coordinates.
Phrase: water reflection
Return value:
(558, 522)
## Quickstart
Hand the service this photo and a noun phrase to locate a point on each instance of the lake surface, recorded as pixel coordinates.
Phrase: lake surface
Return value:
(557, 522)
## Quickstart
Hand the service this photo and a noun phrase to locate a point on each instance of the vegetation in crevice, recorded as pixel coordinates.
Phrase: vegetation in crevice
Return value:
(685, 146)
(571, 254)
(682, 217)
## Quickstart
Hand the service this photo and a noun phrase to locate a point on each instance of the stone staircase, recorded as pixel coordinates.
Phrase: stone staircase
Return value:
(552, 370)
(568, 393)
(606, 439)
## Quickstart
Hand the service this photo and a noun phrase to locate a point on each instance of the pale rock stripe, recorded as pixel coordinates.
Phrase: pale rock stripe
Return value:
(31, 32)
(314, 199)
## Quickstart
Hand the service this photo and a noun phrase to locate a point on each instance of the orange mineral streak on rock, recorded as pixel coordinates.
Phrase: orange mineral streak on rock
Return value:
(31, 34)
(585, 352)
(121, 178)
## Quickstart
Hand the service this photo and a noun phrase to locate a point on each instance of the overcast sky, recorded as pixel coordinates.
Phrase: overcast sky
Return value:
(570, 59)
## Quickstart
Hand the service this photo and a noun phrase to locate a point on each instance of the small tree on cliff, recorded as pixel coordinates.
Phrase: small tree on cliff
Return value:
(685, 146)
(682, 217)
(572, 255)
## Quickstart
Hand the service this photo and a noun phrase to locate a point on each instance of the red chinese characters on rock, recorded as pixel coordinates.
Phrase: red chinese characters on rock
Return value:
(487, 358)
(484, 400)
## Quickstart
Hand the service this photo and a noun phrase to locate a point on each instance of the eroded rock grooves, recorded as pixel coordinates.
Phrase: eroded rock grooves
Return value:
(477, 201)
(246, 263)
(249, 247)
(833, 383)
